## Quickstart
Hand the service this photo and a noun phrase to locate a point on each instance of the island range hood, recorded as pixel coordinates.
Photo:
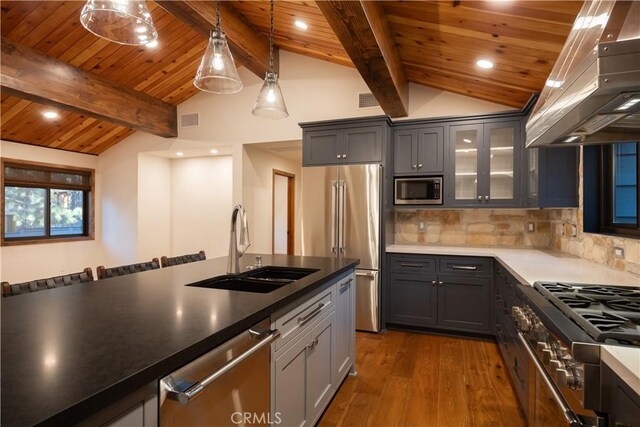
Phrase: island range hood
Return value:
(592, 95)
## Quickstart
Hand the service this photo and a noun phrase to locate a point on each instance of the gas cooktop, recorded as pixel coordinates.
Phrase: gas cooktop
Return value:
(609, 314)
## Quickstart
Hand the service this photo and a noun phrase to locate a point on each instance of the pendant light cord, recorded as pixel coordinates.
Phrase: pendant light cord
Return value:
(270, 39)
(218, 17)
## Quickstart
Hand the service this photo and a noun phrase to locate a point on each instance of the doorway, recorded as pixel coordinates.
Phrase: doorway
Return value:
(283, 204)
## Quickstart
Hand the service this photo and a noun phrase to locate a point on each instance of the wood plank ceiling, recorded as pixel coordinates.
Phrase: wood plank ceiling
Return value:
(438, 43)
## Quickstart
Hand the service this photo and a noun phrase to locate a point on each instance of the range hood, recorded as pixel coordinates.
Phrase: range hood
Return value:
(592, 95)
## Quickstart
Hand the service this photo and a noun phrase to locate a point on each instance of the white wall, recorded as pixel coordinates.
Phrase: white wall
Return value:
(201, 205)
(27, 262)
(258, 166)
(154, 207)
(313, 90)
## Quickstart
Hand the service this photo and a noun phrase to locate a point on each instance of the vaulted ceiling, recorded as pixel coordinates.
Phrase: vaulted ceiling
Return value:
(390, 43)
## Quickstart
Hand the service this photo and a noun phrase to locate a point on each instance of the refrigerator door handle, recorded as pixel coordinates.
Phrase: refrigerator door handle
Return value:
(334, 214)
(342, 191)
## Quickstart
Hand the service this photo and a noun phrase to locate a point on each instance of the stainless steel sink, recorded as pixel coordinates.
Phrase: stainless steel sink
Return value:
(262, 280)
(290, 274)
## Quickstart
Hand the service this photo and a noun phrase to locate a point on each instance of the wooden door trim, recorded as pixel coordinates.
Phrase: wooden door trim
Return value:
(291, 194)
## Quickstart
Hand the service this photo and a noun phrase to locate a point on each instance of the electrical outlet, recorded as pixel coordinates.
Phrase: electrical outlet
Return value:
(564, 227)
(618, 251)
(574, 230)
(421, 225)
(531, 226)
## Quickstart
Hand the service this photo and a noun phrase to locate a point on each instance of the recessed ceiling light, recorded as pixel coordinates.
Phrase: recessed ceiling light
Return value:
(214, 151)
(301, 24)
(152, 44)
(51, 115)
(484, 63)
(179, 154)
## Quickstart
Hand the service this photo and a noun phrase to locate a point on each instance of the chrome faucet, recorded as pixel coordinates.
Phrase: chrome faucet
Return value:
(233, 265)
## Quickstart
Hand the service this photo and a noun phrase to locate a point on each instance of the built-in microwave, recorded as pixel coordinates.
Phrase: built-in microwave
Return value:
(418, 191)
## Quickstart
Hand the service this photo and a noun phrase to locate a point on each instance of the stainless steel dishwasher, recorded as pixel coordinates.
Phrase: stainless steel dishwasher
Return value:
(228, 386)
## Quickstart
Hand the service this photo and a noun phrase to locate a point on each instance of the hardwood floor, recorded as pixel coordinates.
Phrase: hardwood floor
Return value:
(410, 379)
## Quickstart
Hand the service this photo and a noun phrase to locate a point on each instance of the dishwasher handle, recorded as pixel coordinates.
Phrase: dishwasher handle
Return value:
(192, 392)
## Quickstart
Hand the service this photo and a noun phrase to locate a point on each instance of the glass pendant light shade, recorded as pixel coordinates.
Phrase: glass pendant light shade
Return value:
(270, 103)
(120, 21)
(217, 72)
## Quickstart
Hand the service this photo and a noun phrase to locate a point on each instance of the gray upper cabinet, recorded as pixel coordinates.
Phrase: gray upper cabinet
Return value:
(340, 143)
(322, 147)
(485, 164)
(418, 151)
(552, 177)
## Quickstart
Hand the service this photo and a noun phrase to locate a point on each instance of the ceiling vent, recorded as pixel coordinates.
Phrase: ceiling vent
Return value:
(367, 100)
(189, 120)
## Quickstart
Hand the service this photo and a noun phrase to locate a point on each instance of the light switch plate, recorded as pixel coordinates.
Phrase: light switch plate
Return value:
(421, 225)
(574, 230)
(618, 251)
(531, 226)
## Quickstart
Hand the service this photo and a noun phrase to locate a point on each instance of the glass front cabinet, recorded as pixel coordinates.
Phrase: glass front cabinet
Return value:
(485, 160)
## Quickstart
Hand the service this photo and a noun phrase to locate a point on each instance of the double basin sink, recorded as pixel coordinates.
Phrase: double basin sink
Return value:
(261, 280)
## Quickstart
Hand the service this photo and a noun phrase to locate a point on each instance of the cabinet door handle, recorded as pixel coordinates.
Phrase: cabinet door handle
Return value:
(409, 264)
(464, 267)
(480, 198)
(415, 166)
(440, 283)
(434, 282)
(486, 197)
(344, 156)
(313, 344)
(304, 319)
(338, 156)
(420, 165)
(345, 284)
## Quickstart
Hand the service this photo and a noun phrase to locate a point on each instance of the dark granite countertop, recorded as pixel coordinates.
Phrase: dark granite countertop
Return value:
(71, 351)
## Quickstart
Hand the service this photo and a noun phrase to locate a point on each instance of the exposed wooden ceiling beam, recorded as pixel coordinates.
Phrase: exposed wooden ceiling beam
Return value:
(248, 46)
(32, 75)
(364, 32)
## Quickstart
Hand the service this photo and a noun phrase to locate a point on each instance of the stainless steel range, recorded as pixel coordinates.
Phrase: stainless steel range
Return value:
(561, 327)
(609, 314)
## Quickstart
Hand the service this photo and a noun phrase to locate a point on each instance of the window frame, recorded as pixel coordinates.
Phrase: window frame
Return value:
(88, 202)
(605, 170)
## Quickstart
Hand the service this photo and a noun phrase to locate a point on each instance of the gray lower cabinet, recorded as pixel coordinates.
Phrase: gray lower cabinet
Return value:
(304, 377)
(464, 302)
(418, 151)
(413, 300)
(309, 367)
(346, 318)
(619, 400)
(437, 298)
(343, 144)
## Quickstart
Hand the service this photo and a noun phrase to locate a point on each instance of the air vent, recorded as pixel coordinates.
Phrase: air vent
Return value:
(189, 120)
(367, 100)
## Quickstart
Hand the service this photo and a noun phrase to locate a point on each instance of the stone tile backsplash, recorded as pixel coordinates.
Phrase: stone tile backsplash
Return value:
(474, 227)
(509, 228)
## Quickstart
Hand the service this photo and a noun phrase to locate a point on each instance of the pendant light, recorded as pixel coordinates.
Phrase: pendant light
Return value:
(217, 72)
(119, 21)
(270, 102)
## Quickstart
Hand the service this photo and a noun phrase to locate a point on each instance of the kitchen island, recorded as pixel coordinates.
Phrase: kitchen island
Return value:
(70, 352)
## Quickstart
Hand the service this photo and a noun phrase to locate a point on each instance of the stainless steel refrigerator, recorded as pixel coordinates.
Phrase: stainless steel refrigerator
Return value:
(341, 218)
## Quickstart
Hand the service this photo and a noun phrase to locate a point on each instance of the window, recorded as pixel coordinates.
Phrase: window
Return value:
(45, 203)
(619, 189)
